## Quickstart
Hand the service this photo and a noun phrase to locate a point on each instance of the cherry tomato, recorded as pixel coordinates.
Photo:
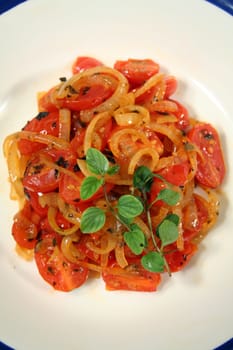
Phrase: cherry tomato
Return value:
(176, 259)
(211, 167)
(33, 198)
(55, 269)
(195, 217)
(46, 101)
(176, 174)
(45, 123)
(171, 86)
(182, 116)
(65, 158)
(39, 177)
(135, 279)
(88, 97)
(156, 187)
(137, 71)
(25, 227)
(69, 189)
(83, 248)
(146, 97)
(76, 143)
(84, 62)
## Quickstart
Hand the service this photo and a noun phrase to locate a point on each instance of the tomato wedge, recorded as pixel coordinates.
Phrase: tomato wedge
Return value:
(137, 71)
(55, 269)
(211, 167)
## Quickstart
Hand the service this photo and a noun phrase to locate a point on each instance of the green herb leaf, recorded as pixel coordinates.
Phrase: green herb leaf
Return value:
(135, 240)
(92, 220)
(97, 163)
(126, 221)
(113, 169)
(129, 206)
(174, 218)
(90, 186)
(167, 231)
(153, 262)
(168, 196)
(143, 178)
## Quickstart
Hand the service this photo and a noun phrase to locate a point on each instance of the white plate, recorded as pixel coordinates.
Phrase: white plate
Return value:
(191, 39)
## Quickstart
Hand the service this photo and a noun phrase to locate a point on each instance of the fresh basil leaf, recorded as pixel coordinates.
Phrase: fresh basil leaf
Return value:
(143, 178)
(90, 186)
(135, 240)
(129, 206)
(92, 220)
(97, 163)
(153, 262)
(168, 196)
(167, 231)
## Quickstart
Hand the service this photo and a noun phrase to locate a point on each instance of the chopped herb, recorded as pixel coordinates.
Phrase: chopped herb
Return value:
(71, 89)
(85, 90)
(62, 162)
(76, 168)
(207, 135)
(51, 270)
(41, 115)
(62, 79)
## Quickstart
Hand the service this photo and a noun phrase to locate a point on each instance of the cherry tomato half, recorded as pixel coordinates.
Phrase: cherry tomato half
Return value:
(45, 123)
(84, 62)
(137, 71)
(176, 259)
(136, 279)
(25, 227)
(55, 269)
(211, 167)
(39, 177)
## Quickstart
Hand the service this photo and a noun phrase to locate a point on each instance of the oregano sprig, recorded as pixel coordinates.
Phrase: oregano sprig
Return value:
(128, 207)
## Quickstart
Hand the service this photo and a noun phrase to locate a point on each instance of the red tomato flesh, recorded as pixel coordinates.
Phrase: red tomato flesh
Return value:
(211, 167)
(55, 269)
(137, 71)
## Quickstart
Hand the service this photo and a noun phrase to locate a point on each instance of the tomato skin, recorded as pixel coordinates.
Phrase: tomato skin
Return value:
(25, 228)
(177, 260)
(85, 62)
(69, 189)
(192, 229)
(137, 71)
(33, 199)
(171, 86)
(176, 174)
(49, 125)
(211, 167)
(39, 177)
(90, 99)
(182, 116)
(45, 102)
(54, 268)
(138, 280)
